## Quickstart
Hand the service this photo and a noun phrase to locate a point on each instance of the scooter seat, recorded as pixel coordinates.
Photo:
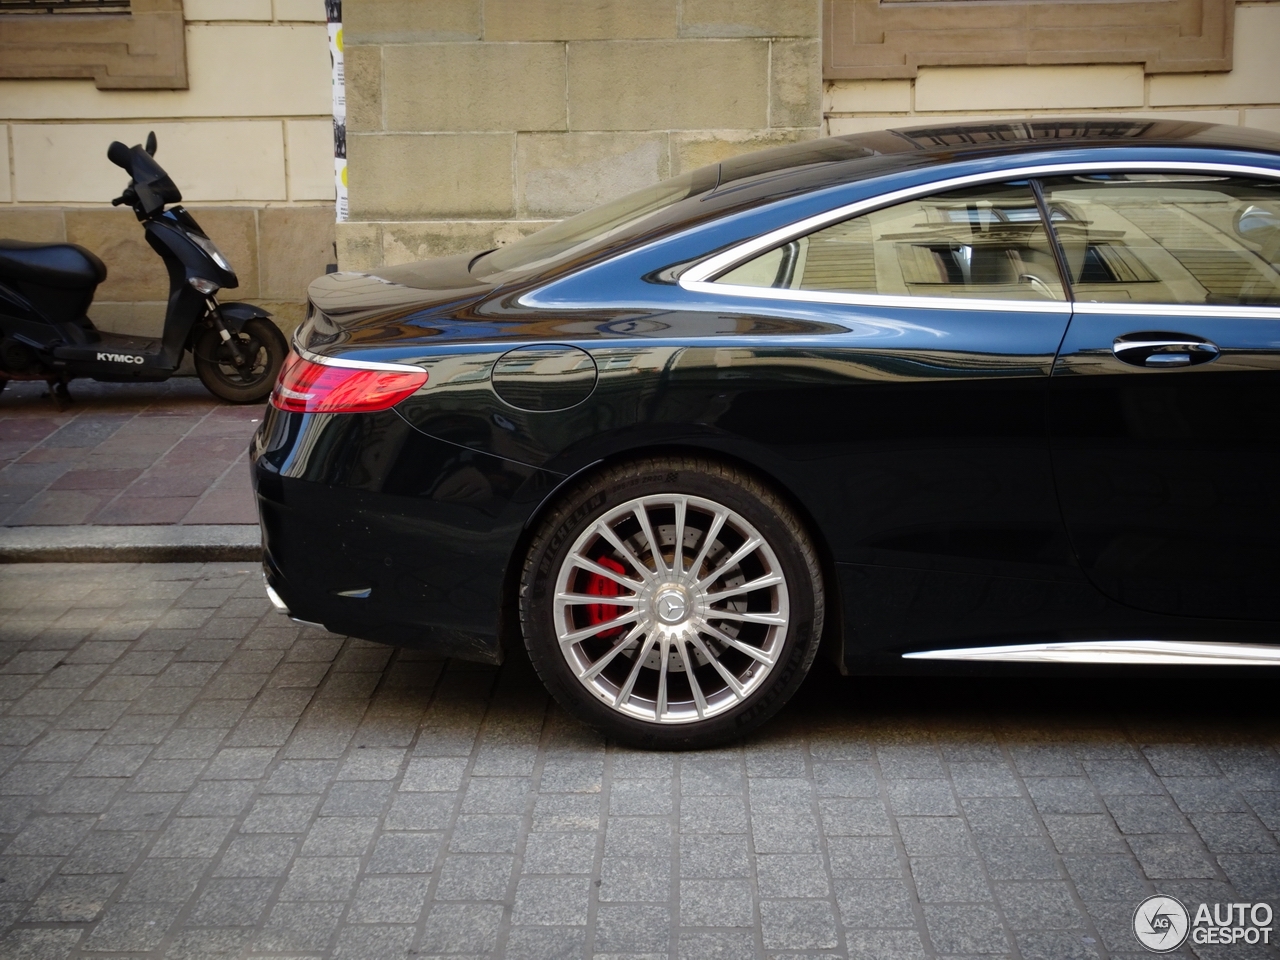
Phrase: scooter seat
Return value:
(50, 264)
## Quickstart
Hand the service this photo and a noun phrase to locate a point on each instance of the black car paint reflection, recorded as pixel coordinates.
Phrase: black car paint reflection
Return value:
(971, 474)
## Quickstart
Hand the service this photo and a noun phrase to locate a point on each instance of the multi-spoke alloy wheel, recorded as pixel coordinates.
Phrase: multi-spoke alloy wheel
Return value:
(696, 608)
(678, 615)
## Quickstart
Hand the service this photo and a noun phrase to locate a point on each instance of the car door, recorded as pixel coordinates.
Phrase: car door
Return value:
(1164, 404)
(919, 435)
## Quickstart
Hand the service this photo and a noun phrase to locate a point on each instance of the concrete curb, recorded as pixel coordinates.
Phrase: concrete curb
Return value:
(173, 543)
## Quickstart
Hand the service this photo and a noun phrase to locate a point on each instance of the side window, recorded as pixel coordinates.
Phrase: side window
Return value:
(985, 242)
(1169, 238)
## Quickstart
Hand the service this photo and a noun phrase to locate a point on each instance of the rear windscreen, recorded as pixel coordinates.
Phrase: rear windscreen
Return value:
(615, 220)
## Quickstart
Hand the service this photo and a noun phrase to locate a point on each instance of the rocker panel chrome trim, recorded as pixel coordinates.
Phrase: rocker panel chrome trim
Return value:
(1115, 651)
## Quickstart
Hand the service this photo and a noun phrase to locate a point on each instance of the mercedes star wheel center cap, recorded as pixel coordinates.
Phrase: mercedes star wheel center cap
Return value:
(671, 606)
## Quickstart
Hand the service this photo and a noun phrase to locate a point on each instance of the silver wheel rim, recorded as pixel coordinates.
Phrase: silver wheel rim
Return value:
(671, 609)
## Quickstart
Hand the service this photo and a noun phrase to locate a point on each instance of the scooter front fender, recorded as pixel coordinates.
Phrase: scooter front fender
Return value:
(235, 314)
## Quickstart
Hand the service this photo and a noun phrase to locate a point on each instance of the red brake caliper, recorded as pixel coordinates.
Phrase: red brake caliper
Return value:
(601, 586)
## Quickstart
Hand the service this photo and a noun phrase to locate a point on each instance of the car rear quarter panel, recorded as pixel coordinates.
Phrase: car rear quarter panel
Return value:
(914, 440)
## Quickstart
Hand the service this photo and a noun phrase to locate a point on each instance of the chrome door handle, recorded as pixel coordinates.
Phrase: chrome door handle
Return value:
(1160, 349)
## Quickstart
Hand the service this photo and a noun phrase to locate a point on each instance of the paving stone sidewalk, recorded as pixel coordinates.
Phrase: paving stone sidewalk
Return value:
(124, 454)
(185, 774)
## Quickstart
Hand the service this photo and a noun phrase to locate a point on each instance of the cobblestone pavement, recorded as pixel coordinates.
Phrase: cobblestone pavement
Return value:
(124, 453)
(187, 774)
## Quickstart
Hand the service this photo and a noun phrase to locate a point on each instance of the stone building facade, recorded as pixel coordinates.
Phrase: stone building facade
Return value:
(1207, 60)
(249, 141)
(473, 122)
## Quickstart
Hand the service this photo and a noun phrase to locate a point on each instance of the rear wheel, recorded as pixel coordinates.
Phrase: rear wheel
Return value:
(672, 602)
(262, 347)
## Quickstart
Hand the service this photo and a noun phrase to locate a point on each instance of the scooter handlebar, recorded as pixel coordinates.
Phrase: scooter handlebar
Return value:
(129, 196)
(119, 154)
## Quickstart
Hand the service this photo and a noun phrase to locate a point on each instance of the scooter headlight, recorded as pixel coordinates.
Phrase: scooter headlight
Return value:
(207, 287)
(209, 247)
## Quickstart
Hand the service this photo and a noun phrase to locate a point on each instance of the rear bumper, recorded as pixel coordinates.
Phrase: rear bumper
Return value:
(375, 530)
(280, 606)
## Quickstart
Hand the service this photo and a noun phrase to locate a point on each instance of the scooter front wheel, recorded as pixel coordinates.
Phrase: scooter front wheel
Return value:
(262, 348)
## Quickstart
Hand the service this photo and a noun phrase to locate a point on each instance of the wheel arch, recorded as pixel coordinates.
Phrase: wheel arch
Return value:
(832, 643)
(236, 312)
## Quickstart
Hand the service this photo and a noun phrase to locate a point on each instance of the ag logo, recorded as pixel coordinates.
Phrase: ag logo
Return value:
(1161, 924)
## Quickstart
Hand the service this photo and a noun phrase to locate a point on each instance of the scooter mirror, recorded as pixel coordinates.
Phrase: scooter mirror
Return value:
(151, 143)
(118, 154)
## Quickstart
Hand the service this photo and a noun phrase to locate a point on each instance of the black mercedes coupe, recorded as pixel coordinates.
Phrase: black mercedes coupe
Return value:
(985, 393)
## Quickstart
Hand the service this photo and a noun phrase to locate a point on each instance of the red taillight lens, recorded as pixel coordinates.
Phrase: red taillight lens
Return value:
(307, 387)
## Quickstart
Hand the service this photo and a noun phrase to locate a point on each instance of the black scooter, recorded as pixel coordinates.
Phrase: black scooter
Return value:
(46, 290)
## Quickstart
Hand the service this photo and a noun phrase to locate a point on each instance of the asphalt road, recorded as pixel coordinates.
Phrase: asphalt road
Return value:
(184, 773)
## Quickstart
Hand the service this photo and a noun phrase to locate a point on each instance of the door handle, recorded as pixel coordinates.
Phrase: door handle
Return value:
(1160, 349)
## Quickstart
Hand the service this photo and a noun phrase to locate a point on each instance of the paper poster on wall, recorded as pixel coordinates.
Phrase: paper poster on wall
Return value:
(333, 12)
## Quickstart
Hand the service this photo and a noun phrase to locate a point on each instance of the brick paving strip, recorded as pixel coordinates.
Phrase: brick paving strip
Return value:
(185, 774)
(124, 455)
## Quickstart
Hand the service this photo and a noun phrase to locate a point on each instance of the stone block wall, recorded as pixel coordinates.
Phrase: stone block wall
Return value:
(249, 143)
(1247, 95)
(473, 122)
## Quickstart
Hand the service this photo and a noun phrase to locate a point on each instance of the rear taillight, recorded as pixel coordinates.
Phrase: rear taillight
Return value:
(308, 387)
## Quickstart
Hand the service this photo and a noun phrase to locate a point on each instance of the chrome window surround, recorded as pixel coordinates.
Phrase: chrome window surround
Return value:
(697, 279)
(1175, 310)
(352, 364)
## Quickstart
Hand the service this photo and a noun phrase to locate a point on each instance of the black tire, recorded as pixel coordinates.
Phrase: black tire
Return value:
(676, 697)
(260, 341)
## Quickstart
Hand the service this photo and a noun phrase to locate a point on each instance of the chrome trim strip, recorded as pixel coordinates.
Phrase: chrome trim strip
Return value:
(274, 597)
(1115, 651)
(280, 607)
(353, 364)
(1120, 346)
(881, 299)
(696, 278)
(1096, 308)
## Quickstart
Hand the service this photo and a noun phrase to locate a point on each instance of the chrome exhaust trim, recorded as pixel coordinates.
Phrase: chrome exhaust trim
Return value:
(1115, 651)
(275, 598)
(280, 606)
